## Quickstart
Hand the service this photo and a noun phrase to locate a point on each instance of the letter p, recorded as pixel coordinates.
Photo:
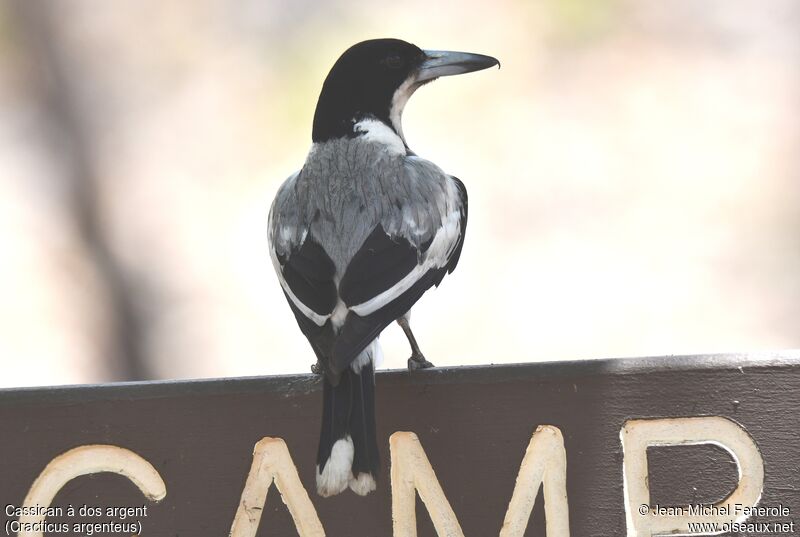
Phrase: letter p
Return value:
(638, 435)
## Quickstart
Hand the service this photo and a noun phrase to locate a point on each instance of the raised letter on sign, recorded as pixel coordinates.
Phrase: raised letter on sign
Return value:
(637, 435)
(272, 462)
(544, 464)
(412, 471)
(91, 459)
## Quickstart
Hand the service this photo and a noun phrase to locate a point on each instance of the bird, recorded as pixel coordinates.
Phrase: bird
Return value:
(360, 233)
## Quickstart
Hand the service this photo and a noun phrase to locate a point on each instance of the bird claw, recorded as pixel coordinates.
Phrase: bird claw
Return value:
(317, 368)
(418, 361)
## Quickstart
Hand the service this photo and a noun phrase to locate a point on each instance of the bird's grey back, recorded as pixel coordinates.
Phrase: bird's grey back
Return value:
(347, 187)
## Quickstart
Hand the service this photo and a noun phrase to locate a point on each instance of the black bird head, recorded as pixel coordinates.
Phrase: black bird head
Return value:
(374, 79)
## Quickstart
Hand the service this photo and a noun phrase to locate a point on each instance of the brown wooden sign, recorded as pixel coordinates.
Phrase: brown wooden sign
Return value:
(679, 446)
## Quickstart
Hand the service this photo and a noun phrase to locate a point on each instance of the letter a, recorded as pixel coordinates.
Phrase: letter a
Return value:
(272, 462)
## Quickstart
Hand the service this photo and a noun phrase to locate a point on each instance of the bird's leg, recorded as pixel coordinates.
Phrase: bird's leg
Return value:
(317, 368)
(417, 360)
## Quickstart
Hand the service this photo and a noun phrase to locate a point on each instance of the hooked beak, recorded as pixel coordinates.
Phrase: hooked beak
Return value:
(445, 63)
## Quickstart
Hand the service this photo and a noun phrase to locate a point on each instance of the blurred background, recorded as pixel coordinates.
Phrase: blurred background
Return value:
(633, 171)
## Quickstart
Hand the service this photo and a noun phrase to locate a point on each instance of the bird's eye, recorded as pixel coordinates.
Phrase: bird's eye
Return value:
(394, 62)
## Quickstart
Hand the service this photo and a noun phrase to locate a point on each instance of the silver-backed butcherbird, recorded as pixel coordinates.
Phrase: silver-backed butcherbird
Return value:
(360, 233)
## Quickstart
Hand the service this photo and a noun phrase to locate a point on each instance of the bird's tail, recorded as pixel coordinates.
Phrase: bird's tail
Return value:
(348, 447)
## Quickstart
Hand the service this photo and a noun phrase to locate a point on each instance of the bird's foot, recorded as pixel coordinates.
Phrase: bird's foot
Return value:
(418, 361)
(317, 368)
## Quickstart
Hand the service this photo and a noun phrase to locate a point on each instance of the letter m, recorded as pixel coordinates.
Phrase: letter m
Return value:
(544, 465)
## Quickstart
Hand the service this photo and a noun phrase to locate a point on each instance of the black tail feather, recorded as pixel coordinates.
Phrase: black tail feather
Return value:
(349, 415)
(362, 423)
(337, 401)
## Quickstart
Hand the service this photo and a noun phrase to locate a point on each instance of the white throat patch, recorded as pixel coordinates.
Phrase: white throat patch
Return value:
(377, 131)
(399, 100)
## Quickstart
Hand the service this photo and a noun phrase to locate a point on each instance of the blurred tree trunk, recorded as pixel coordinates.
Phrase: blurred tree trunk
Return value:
(70, 141)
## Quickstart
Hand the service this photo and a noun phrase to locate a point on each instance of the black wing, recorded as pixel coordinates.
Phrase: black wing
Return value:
(307, 274)
(390, 272)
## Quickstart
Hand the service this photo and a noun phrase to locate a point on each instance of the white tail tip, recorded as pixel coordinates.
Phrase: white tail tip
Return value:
(363, 484)
(337, 473)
